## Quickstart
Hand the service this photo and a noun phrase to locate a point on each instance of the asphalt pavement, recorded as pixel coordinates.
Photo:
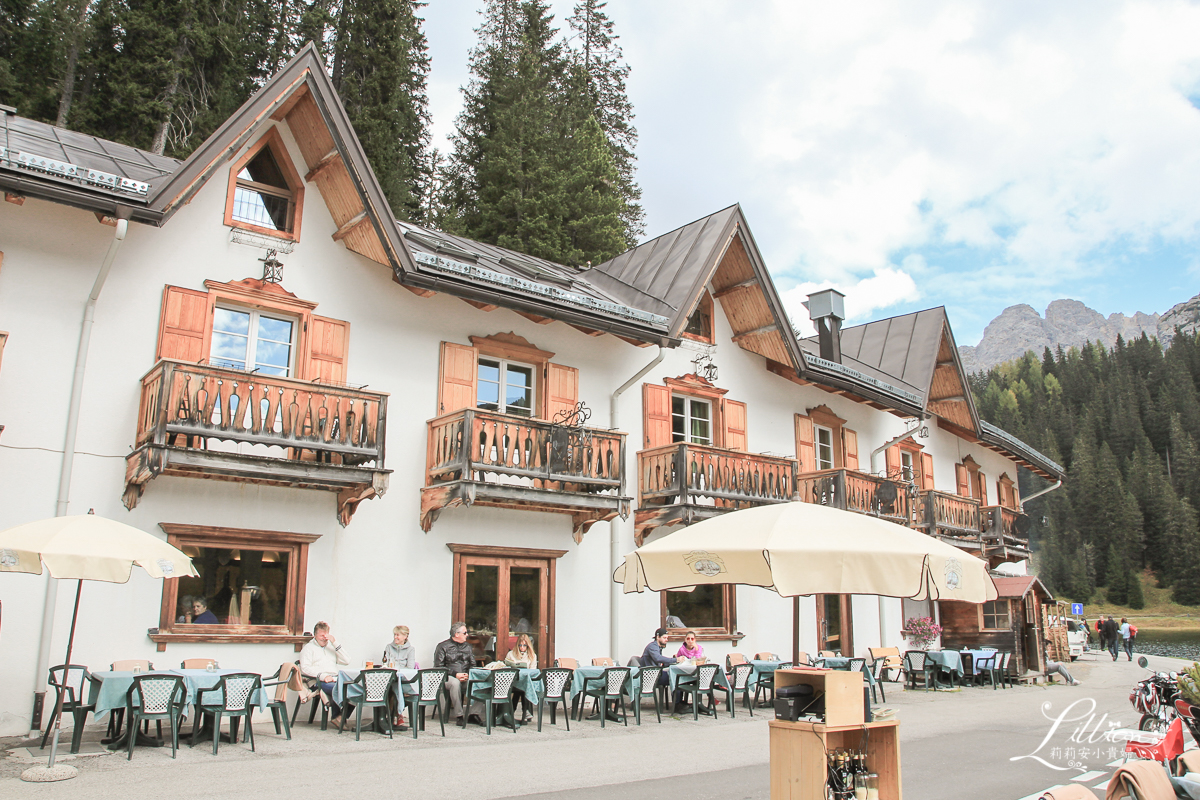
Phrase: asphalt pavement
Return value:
(976, 742)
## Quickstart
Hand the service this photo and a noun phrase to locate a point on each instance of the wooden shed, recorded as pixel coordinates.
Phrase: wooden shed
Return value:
(1014, 622)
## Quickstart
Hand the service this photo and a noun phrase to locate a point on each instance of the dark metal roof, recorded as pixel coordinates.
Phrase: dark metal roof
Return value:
(662, 274)
(1002, 438)
(504, 270)
(903, 347)
(911, 397)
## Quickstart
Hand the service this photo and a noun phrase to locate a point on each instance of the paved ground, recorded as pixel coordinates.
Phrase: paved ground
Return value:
(954, 745)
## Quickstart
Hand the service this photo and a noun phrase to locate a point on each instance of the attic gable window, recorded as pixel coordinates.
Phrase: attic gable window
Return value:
(699, 324)
(265, 191)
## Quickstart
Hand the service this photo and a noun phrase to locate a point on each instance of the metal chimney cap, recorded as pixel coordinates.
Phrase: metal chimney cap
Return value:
(826, 303)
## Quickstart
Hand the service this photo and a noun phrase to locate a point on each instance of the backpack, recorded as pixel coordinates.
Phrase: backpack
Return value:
(1132, 630)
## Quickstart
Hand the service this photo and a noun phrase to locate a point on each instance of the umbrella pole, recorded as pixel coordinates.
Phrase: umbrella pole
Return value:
(795, 630)
(58, 705)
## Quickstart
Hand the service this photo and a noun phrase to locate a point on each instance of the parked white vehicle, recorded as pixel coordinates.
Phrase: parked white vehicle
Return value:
(1077, 638)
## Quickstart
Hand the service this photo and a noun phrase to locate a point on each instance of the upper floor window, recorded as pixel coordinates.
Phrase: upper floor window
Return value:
(253, 341)
(691, 420)
(505, 386)
(700, 324)
(265, 191)
(907, 468)
(823, 439)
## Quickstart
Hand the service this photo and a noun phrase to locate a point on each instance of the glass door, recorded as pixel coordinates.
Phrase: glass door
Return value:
(833, 624)
(502, 598)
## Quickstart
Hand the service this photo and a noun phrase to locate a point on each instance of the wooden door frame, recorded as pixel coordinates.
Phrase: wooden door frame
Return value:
(847, 622)
(505, 558)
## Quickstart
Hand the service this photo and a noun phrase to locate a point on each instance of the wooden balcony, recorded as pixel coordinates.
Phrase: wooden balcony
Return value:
(210, 422)
(951, 518)
(479, 457)
(851, 490)
(682, 483)
(1005, 532)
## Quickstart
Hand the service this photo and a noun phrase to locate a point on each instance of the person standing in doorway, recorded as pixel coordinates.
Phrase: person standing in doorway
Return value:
(1110, 635)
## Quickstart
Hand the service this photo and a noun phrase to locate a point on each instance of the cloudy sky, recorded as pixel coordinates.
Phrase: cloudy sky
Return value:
(912, 154)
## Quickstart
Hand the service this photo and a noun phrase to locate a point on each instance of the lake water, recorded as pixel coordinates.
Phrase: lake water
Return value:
(1178, 644)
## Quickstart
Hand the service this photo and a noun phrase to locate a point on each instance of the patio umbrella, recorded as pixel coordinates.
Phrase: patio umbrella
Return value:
(803, 548)
(85, 547)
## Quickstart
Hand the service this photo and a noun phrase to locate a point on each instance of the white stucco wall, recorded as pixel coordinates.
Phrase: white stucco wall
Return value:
(381, 570)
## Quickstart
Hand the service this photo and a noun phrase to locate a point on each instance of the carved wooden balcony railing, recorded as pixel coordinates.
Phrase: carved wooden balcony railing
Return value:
(851, 490)
(680, 483)
(950, 517)
(479, 457)
(1005, 531)
(211, 422)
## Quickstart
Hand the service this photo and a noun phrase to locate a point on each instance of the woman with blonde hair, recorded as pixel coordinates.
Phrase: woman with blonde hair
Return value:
(522, 656)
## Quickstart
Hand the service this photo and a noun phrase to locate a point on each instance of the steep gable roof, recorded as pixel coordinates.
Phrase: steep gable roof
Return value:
(669, 273)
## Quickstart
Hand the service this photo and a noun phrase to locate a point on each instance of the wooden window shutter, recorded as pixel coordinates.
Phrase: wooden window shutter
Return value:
(895, 466)
(926, 471)
(185, 326)
(562, 389)
(328, 348)
(981, 484)
(656, 411)
(734, 413)
(457, 387)
(850, 445)
(806, 449)
(962, 481)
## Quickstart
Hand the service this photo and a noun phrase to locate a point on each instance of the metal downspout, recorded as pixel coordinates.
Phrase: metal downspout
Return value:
(1047, 490)
(614, 530)
(68, 459)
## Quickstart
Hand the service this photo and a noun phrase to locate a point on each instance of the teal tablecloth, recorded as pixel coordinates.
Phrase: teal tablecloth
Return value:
(763, 668)
(947, 660)
(114, 686)
(346, 688)
(529, 681)
(677, 671)
(584, 674)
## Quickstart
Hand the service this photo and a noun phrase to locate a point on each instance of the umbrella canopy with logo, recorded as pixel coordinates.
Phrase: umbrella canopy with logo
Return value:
(801, 549)
(86, 547)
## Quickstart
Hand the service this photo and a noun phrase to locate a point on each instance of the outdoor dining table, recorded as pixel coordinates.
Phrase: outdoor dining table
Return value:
(114, 694)
(762, 668)
(345, 689)
(839, 662)
(528, 681)
(947, 660)
(976, 656)
(581, 676)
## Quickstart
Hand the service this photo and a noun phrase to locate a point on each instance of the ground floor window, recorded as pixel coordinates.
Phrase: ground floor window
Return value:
(710, 611)
(250, 587)
(995, 616)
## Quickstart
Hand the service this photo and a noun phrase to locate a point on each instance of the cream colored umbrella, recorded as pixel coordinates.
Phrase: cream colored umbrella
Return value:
(801, 549)
(85, 547)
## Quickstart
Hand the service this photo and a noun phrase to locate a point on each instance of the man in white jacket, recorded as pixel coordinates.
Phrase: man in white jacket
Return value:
(320, 659)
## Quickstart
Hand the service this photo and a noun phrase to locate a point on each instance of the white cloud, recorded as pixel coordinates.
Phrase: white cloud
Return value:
(885, 288)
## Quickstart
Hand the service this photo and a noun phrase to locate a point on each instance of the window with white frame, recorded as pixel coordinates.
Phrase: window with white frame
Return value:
(907, 470)
(823, 439)
(505, 386)
(691, 420)
(253, 341)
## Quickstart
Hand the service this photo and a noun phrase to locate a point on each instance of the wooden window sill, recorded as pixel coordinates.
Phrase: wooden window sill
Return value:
(707, 636)
(162, 639)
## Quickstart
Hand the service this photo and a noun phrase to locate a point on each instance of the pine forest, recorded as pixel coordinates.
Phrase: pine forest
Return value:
(1125, 424)
(543, 158)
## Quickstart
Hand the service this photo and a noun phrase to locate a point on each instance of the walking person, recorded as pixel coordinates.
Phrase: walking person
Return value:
(1111, 633)
(1100, 631)
(1126, 639)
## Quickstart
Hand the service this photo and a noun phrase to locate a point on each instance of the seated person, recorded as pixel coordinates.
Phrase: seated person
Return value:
(689, 649)
(1053, 667)
(653, 656)
(321, 658)
(200, 613)
(185, 609)
(401, 655)
(456, 657)
(522, 656)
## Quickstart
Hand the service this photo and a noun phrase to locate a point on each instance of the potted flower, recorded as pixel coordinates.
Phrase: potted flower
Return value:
(921, 631)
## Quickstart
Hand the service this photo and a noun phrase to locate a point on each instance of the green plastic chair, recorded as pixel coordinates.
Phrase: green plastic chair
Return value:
(236, 692)
(377, 685)
(610, 685)
(740, 683)
(430, 683)
(701, 684)
(917, 665)
(78, 690)
(286, 678)
(555, 682)
(766, 682)
(647, 681)
(155, 697)
(495, 690)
